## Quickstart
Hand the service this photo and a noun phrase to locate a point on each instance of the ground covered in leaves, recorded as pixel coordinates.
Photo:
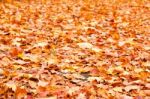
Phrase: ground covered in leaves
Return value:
(75, 49)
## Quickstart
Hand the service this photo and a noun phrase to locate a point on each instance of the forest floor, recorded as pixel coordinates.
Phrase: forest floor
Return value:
(75, 49)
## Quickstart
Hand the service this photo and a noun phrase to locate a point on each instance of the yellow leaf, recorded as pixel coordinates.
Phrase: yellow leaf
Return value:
(110, 71)
(52, 88)
(70, 68)
(118, 89)
(85, 45)
(41, 44)
(118, 69)
(146, 64)
(21, 55)
(95, 49)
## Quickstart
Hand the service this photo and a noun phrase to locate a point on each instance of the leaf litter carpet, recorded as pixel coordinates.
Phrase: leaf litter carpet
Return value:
(75, 49)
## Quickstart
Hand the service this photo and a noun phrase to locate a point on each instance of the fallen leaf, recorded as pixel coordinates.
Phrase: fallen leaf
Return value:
(43, 83)
(85, 45)
(41, 44)
(15, 51)
(81, 96)
(147, 85)
(146, 64)
(11, 85)
(20, 92)
(95, 49)
(147, 92)
(132, 87)
(118, 89)
(126, 97)
(118, 69)
(99, 79)
(1, 71)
